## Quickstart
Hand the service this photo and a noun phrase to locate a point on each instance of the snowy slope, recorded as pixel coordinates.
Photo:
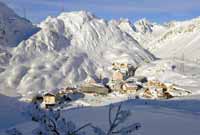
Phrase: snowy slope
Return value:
(186, 74)
(173, 39)
(13, 28)
(142, 30)
(10, 112)
(180, 40)
(67, 50)
(154, 120)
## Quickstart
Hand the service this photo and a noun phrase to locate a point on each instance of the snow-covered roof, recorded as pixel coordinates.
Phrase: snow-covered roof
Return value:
(49, 94)
(130, 85)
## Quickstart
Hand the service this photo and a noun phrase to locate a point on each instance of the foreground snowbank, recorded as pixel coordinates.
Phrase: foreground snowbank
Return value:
(154, 120)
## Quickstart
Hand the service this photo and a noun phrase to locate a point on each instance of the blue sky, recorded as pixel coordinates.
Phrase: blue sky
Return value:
(155, 10)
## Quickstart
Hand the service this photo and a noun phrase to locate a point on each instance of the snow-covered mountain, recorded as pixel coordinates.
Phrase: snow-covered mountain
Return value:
(67, 50)
(76, 45)
(13, 29)
(142, 30)
(173, 39)
(181, 39)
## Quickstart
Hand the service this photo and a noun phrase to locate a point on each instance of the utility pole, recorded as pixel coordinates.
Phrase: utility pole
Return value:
(24, 12)
(101, 75)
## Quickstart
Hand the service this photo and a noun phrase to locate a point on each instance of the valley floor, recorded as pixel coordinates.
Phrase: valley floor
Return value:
(178, 116)
(154, 118)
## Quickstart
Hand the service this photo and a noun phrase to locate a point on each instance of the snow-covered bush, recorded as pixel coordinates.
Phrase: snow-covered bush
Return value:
(120, 116)
(52, 123)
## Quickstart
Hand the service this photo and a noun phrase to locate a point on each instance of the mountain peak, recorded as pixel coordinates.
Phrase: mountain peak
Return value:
(77, 15)
(67, 22)
(144, 25)
(126, 25)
